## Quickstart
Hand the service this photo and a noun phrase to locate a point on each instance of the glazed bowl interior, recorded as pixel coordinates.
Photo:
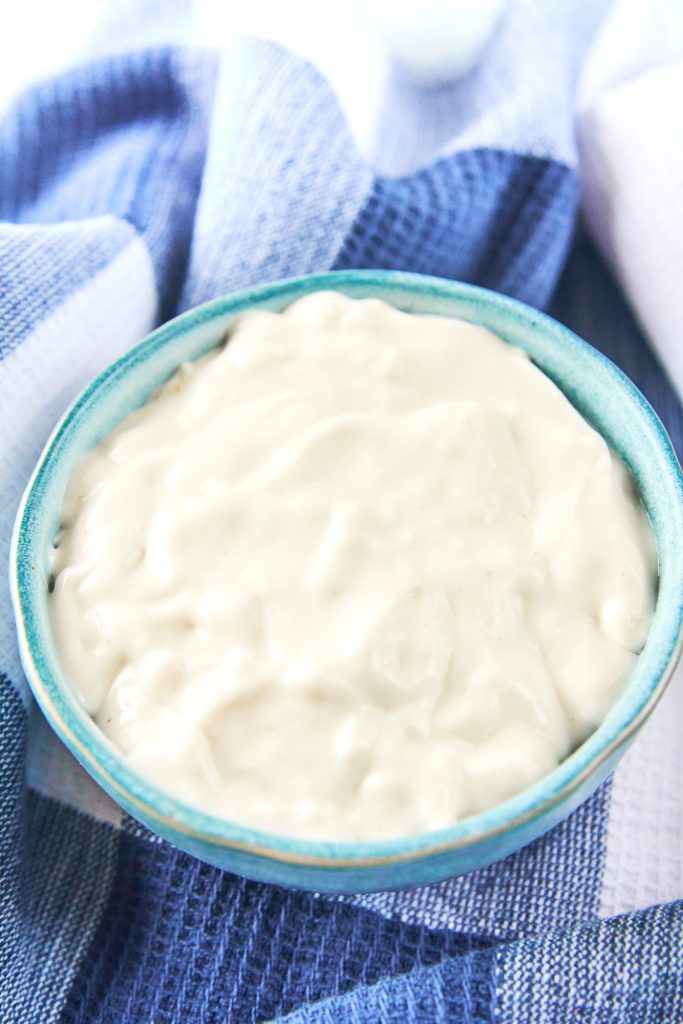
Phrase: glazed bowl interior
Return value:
(597, 389)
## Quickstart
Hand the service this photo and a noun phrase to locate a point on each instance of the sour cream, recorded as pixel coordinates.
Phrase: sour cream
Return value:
(355, 574)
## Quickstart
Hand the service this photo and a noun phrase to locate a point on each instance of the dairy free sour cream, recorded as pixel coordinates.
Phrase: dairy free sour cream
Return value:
(356, 574)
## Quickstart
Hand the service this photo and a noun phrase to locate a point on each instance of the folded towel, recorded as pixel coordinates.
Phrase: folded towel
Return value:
(166, 167)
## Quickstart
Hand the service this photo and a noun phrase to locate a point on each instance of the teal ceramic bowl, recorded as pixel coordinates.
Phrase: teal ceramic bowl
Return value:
(599, 390)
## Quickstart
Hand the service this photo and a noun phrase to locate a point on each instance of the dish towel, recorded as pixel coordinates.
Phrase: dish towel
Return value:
(173, 162)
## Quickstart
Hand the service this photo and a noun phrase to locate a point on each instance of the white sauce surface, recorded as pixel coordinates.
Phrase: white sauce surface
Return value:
(356, 574)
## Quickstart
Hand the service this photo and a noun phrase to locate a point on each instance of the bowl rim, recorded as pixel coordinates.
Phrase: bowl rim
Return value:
(109, 767)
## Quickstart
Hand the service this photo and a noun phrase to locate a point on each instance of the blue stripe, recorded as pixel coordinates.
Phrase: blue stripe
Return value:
(13, 737)
(124, 136)
(626, 969)
(184, 941)
(485, 216)
(56, 869)
(458, 990)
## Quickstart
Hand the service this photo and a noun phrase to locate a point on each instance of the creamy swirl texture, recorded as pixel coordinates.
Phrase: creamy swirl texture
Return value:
(355, 574)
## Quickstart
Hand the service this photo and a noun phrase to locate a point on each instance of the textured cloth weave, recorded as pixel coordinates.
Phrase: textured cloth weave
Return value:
(157, 174)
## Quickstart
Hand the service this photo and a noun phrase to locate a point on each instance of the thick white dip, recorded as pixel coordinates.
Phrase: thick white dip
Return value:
(356, 574)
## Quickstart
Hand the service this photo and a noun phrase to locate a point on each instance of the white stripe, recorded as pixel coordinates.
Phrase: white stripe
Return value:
(37, 381)
(644, 856)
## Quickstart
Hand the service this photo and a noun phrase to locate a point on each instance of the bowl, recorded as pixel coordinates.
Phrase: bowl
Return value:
(596, 388)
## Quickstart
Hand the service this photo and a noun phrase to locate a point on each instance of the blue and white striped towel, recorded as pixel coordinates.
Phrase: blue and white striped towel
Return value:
(157, 173)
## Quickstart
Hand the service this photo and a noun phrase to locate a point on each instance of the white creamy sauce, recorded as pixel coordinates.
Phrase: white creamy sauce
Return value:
(355, 574)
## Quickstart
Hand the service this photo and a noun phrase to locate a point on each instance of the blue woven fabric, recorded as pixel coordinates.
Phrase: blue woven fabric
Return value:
(485, 215)
(136, 186)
